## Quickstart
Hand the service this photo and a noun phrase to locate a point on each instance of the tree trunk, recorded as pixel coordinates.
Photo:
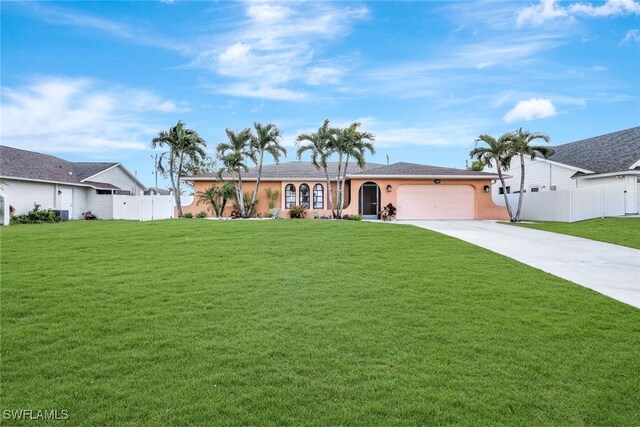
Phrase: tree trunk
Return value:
(224, 203)
(344, 179)
(339, 186)
(178, 192)
(176, 196)
(517, 218)
(504, 192)
(243, 214)
(255, 190)
(330, 194)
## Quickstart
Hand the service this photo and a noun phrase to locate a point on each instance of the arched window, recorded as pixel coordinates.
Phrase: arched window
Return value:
(304, 196)
(318, 196)
(289, 196)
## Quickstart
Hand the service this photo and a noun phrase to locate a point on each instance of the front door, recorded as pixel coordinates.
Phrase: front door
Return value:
(66, 200)
(370, 200)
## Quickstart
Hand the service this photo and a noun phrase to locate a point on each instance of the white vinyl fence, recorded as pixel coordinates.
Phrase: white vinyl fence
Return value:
(145, 208)
(569, 205)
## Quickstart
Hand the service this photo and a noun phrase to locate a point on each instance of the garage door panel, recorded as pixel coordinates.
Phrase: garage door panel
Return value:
(436, 202)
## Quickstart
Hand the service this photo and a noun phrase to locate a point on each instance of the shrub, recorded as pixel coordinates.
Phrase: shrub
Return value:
(297, 212)
(354, 217)
(388, 212)
(36, 216)
(315, 214)
(12, 211)
(272, 196)
(235, 213)
(275, 213)
(188, 215)
(201, 214)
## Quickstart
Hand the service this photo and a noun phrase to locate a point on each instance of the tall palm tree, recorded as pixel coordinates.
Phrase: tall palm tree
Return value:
(520, 142)
(184, 145)
(498, 151)
(350, 143)
(233, 155)
(265, 140)
(317, 144)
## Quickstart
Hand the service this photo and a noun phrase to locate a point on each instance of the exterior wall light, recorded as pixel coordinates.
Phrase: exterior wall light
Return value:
(487, 188)
(389, 188)
(437, 181)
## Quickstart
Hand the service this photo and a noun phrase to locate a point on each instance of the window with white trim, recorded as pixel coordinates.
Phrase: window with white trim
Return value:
(305, 198)
(289, 196)
(318, 196)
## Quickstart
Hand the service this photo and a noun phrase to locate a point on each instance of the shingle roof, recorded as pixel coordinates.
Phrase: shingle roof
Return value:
(305, 170)
(613, 152)
(415, 169)
(295, 170)
(24, 164)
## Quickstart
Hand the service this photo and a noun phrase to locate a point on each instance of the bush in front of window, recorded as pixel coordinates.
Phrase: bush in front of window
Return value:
(297, 212)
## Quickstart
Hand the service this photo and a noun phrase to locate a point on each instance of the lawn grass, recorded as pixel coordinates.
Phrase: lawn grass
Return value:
(619, 231)
(195, 322)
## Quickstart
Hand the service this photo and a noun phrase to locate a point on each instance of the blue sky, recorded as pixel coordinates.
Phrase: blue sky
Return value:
(93, 81)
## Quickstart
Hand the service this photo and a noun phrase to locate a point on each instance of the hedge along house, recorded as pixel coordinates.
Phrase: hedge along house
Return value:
(418, 191)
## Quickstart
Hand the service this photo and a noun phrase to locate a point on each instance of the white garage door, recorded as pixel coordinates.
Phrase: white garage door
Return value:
(436, 202)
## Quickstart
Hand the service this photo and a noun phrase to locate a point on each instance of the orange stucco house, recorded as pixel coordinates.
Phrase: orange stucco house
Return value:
(417, 191)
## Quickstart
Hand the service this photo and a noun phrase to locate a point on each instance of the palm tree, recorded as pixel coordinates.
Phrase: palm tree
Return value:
(350, 143)
(265, 140)
(317, 143)
(498, 151)
(185, 145)
(216, 197)
(233, 155)
(520, 146)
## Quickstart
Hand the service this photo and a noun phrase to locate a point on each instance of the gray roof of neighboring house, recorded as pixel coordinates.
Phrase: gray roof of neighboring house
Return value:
(613, 152)
(294, 170)
(415, 169)
(30, 165)
(158, 191)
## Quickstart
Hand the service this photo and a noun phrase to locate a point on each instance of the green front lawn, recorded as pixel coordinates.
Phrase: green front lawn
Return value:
(619, 231)
(194, 322)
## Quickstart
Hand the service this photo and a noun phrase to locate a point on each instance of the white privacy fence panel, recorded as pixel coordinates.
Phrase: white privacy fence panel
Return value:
(570, 205)
(143, 208)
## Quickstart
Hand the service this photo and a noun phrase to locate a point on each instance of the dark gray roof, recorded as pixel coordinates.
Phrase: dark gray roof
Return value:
(613, 152)
(295, 170)
(24, 164)
(157, 190)
(415, 169)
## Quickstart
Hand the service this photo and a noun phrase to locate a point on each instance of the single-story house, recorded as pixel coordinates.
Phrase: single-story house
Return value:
(601, 160)
(417, 191)
(28, 178)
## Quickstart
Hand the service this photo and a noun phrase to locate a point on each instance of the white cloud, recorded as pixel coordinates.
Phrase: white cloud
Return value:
(323, 75)
(278, 45)
(459, 131)
(248, 90)
(530, 109)
(632, 36)
(548, 10)
(79, 115)
(67, 17)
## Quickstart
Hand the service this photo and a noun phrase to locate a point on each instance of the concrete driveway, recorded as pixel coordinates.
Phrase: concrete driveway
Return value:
(611, 270)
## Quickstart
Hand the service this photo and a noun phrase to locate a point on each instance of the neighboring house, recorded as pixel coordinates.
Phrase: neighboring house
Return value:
(418, 191)
(601, 160)
(29, 178)
(157, 191)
